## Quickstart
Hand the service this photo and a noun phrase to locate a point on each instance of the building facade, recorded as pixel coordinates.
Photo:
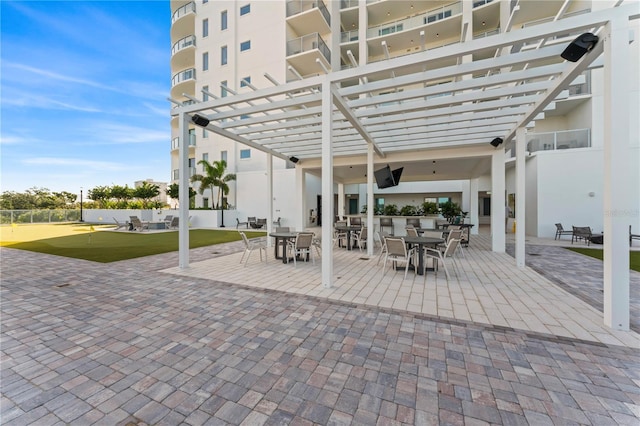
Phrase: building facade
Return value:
(225, 48)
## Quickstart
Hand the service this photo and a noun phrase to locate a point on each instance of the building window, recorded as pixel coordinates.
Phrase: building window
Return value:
(205, 28)
(244, 81)
(176, 174)
(223, 20)
(205, 133)
(205, 97)
(223, 156)
(205, 202)
(245, 9)
(205, 157)
(223, 91)
(245, 45)
(245, 154)
(223, 55)
(205, 61)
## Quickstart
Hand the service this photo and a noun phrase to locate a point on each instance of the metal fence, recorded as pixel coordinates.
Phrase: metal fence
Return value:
(39, 216)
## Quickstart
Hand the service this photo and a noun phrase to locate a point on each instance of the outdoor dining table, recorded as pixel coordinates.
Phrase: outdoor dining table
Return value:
(421, 242)
(281, 240)
(349, 230)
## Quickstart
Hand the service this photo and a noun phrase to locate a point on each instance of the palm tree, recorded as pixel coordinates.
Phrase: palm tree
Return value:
(214, 176)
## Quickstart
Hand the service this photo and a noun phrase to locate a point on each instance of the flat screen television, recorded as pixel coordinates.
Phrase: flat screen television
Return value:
(385, 178)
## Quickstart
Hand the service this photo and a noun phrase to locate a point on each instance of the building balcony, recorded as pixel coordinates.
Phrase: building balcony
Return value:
(308, 16)
(183, 82)
(564, 139)
(348, 4)
(183, 21)
(417, 21)
(183, 53)
(303, 52)
(175, 142)
(349, 36)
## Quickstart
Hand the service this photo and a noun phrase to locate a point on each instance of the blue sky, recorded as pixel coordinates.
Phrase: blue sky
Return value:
(83, 90)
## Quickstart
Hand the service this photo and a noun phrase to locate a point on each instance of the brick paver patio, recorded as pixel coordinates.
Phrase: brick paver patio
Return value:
(126, 344)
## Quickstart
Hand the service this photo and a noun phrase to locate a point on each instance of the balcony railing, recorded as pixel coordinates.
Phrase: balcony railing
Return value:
(308, 43)
(175, 142)
(183, 43)
(487, 33)
(295, 7)
(478, 3)
(416, 21)
(346, 4)
(184, 10)
(348, 36)
(182, 76)
(565, 139)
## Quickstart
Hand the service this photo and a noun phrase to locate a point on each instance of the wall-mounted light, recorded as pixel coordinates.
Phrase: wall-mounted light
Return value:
(496, 142)
(592, 194)
(294, 159)
(200, 120)
(578, 47)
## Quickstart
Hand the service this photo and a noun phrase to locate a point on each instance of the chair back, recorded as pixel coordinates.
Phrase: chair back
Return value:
(355, 221)
(432, 234)
(411, 231)
(413, 221)
(341, 223)
(451, 248)
(559, 227)
(175, 222)
(251, 219)
(386, 221)
(245, 240)
(396, 246)
(455, 234)
(282, 229)
(363, 233)
(304, 240)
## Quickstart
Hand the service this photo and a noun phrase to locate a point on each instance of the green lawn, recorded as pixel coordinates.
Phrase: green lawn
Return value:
(634, 256)
(82, 241)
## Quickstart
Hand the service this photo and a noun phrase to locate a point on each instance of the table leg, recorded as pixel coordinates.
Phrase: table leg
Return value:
(420, 270)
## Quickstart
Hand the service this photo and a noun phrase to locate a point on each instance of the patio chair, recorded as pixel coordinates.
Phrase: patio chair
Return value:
(175, 223)
(560, 231)
(301, 246)
(360, 238)
(238, 223)
(632, 237)
(411, 231)
(251, 245)
(251, 220)
(138, 225)
(383, 244)
(386, 221)
(339, 238)
(277, 222)
(355, 221)
(260, 223)
(413, 221)
(125, 225)
(581, 233)
(282, 229)
(397, 251)
(455, 234)
(167, 220)
(440, 256)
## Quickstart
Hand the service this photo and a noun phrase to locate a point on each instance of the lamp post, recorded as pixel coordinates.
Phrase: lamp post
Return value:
(81, 220)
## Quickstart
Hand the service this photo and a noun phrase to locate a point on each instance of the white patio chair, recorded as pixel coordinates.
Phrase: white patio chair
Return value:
(397, 252)
(301, 246)
(251, 245)
(440, 256)
(120, 225)
(360, 238)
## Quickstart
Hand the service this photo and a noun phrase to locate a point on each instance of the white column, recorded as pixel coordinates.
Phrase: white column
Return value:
(520, 196)
(617, 186)
(327, 185)
(370, 201)
(497, 201)
(269, 197)
(340, 201)
(183, 194)
(300, 221)
(473, 205)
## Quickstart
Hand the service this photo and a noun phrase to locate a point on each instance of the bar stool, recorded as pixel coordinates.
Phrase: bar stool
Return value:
(386, 221)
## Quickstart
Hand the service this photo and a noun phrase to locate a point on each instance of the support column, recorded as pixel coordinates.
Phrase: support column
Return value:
(327, 184)
(474, 217)
(269, 197)
(520, 196)
(183, 193)
(617, 210)
(370, 205)
(300, 220)
(340, 201)
(498, 201)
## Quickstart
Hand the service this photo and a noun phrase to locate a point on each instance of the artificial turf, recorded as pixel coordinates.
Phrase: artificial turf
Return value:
(634, 256)
(83, 241)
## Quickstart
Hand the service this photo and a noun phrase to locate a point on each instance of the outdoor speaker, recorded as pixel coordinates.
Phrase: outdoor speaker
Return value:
(200, 120)
(578, 47)
(294, 159)
(496, 142)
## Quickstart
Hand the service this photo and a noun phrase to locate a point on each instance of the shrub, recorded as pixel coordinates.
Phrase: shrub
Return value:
(408, 211)
(391, 210)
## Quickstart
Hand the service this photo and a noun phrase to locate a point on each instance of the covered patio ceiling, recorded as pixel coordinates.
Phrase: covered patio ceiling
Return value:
(452, 98)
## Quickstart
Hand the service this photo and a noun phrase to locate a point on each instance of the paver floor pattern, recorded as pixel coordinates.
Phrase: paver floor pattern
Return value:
(85, 343)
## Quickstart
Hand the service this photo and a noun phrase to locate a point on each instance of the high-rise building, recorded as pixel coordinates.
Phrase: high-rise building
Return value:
(224, 48)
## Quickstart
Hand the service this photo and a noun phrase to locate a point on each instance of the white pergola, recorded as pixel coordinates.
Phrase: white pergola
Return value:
(444, 103)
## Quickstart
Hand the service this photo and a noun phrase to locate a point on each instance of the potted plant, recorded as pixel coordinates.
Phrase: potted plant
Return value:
(430, 208)
(450, 210)
(391, 210)
(409, 211)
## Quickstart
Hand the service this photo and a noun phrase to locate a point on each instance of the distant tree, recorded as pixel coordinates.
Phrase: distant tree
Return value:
(122, 194)
(11, 200)
(214, 177)
(146, 192)
(66, 197)
(100, 194)
(173, 191)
